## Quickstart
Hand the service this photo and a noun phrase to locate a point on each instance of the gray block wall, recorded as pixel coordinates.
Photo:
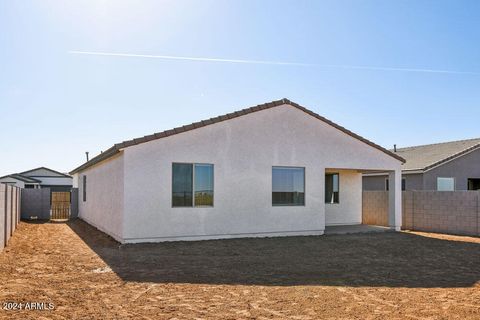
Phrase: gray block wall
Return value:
(2, 215)
(456, 212)
(447, 212)
(9, 212)
(8, 216)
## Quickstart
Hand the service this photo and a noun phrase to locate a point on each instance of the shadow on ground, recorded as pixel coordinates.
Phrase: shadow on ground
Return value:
(371, 260)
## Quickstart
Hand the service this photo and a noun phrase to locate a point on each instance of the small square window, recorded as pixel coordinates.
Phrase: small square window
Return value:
(446, 184)
(474, 184)
(288, 186)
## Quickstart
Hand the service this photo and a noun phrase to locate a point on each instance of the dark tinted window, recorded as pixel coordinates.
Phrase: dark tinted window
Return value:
(474, 184)
(84, 187)
(182, 195)
(404, 184)
(288, 186)
(332, 188)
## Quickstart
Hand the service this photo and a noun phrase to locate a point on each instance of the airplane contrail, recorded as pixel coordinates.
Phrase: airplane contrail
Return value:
(268, 62)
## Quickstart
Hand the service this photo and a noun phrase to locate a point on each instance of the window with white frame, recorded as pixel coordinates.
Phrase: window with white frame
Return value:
(446, 184)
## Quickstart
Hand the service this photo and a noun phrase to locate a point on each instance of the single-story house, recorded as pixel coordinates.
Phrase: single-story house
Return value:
(276, 169)
(39, 178)
(447, 166)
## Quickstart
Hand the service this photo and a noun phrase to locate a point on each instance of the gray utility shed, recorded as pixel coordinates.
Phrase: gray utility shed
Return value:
(447, 166)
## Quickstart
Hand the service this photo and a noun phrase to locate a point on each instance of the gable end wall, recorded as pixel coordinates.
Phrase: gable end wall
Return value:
(243, 151)
(462, 168)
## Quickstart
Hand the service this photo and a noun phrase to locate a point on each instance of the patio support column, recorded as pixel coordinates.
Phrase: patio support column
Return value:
(395, 200)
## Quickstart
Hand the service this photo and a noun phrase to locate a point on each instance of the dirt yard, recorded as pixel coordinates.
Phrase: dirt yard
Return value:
(87, 275)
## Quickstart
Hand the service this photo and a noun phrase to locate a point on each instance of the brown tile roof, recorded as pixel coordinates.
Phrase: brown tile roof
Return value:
(425, 157)
(117, 147)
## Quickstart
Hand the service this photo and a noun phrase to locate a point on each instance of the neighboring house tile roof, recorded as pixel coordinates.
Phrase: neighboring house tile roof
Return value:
(21, 178)
(117, 147)
(423, 158)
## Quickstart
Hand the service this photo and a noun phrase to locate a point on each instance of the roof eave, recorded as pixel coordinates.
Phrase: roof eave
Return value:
(451, 158)
(128, 143)
(97, 159)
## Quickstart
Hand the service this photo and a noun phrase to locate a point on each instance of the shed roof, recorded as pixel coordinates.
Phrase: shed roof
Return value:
(159, 135)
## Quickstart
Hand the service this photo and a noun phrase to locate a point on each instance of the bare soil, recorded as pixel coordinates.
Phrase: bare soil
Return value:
(87, 275)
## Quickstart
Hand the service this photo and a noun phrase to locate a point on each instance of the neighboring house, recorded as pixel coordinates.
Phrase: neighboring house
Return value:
(276, 169)
(445, 166)
(39, 178)
(20, 181)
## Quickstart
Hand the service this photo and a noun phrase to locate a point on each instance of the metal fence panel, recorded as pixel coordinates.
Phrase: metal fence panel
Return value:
(36, 203)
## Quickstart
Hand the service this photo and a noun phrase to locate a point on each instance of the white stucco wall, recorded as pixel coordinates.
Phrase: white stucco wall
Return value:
(105, 198)
(243, 151)
(75, 180)
(349, 209)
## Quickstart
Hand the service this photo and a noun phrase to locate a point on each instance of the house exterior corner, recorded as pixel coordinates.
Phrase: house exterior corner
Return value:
(248, 161)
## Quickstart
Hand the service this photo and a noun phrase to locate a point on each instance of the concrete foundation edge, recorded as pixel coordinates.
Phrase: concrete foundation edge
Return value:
(226, 236)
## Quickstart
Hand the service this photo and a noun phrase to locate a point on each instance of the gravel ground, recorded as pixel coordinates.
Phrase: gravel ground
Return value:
(85, 275)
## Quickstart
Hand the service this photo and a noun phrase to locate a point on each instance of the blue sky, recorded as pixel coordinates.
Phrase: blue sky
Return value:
(56, 105)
